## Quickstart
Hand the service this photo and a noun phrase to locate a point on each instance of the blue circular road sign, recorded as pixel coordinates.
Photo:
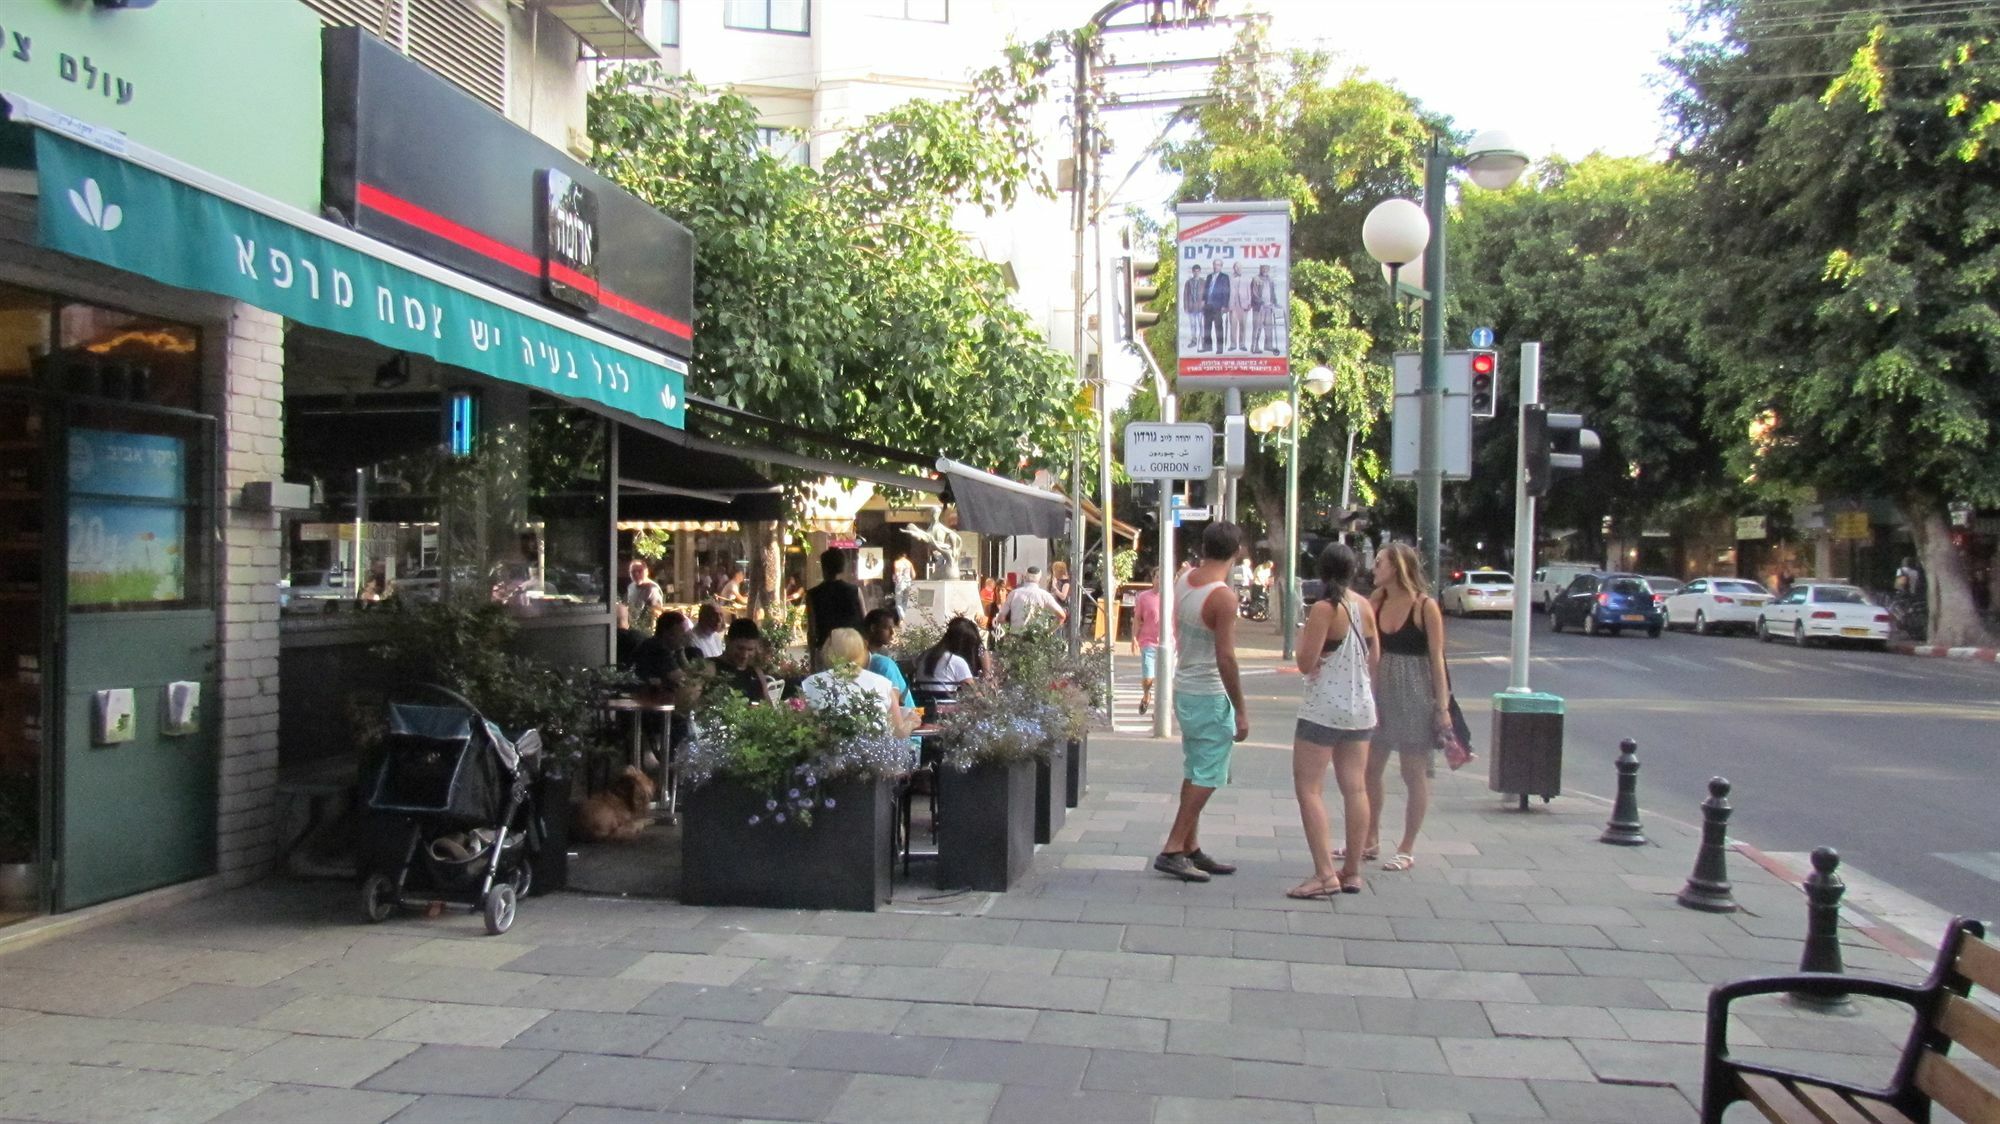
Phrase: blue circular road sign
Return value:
(1482, 337)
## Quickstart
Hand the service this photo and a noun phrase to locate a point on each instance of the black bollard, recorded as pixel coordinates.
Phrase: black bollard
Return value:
(1708, 887)
(1623, 830)
(1822, 951)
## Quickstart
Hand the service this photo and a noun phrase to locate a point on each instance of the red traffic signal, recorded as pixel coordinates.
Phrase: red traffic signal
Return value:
(1485, 367)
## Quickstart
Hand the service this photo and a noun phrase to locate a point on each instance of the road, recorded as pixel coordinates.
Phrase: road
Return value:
(1890, 759)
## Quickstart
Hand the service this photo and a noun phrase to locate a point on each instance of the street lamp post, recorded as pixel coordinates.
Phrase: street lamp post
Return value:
(1284, 414)
(1396, 234)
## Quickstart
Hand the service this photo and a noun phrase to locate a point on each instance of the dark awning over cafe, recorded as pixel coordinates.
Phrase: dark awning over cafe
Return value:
(995, 505)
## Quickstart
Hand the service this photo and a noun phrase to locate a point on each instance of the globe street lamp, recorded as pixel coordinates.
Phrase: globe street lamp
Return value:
(1284, 414)
(1397, 233)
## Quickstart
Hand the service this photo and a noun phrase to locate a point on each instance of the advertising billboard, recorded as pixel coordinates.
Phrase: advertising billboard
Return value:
(1234, 278)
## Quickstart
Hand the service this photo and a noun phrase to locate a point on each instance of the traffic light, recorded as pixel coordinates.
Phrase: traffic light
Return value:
(1552, 442)
(1485, 368)
(1139, 291)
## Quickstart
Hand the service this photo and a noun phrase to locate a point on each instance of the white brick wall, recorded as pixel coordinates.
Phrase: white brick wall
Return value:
(252, 406)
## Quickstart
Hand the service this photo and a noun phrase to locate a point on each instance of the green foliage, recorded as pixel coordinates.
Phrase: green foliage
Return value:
(1123, 563)
(844, 299)
(1849, 197)
(787, 750)
(1000, 723)
(651, 544)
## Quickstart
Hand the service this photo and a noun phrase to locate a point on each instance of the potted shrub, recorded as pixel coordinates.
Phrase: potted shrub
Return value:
(20, 807)
(787, 806)
(994, 741)
(1037, 658)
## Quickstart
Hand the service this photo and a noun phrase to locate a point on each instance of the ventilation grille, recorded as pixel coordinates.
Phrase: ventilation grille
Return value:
(465, 46)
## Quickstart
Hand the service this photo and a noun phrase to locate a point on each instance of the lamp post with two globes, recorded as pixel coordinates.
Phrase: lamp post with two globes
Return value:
(1268, 418)
(1399, 233)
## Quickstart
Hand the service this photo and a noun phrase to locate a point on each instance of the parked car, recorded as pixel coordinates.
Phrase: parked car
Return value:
(1663, 585)
(1478, 591)
(1709, 605)
(1552, 579)
(1816, 612)
(309, 592)
(1601, 603)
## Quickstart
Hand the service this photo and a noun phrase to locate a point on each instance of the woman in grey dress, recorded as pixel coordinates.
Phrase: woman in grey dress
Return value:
(1412, 695)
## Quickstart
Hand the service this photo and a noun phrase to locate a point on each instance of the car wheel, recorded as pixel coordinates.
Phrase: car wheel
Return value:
(1590, 624)
(1555, 620)
(1763, 630)
(1700, 623)
(1799, 634)
(1654, 633)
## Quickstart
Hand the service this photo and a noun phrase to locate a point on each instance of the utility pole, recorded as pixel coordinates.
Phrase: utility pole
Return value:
(1430, 390)
(1524, 521)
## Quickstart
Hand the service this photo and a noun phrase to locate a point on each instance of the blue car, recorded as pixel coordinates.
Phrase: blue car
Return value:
(1601, 603)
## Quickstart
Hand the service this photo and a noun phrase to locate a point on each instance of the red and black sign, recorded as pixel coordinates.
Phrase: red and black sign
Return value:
(420, 164)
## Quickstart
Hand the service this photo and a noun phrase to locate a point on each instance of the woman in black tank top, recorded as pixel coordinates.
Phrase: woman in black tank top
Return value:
(1411, 694)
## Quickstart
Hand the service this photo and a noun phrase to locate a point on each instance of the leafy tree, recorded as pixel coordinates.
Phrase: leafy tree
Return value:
(1849, 201)
(1587, 258)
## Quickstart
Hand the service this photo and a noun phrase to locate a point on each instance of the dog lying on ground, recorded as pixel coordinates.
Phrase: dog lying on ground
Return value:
(620, 812)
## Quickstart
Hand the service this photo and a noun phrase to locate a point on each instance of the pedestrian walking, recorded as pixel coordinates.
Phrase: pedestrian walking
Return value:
(1208, 698)
(1146, 637)
(1337, 656)
(1412, 696)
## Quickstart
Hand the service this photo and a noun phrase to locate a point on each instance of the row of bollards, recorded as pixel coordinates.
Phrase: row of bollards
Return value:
(1708, 887)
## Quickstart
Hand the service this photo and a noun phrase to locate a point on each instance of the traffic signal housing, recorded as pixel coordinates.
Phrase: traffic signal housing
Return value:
(1484, 367)
(1552, 443)
(1141, 289)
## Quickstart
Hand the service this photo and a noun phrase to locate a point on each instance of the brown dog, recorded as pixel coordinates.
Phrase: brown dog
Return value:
(619, 813)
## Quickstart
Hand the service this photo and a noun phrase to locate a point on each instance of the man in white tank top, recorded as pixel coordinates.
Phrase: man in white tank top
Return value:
(1208, 697)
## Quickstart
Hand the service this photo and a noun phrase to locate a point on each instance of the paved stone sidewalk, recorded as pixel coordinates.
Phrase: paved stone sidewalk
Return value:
(1521, 971)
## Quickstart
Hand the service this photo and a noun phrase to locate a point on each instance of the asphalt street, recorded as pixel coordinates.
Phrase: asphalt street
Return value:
(1890, 759)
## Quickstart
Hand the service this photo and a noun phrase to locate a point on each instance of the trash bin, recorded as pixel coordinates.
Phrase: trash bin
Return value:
(550, 864)
(1527, 745)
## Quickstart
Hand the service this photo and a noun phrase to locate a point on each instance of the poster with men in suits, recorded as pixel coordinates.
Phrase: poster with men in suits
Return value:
(1235, 295)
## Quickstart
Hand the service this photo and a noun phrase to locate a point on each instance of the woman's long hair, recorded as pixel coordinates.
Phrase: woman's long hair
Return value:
(1405, 572)
(1336, 571)
(961, 639)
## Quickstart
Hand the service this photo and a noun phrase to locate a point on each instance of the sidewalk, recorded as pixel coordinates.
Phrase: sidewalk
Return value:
(1522, 971)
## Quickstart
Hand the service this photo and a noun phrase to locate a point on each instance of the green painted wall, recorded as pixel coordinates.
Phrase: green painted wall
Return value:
(229, 86)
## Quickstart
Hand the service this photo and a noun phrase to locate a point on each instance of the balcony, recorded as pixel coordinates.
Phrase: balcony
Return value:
(611, 28)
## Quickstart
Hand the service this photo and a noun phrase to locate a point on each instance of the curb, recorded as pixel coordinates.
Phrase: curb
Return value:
(1937, 651)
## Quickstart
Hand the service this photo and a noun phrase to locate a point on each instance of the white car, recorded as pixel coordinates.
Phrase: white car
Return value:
(1479, 591)
(1814, 614)
(1552, 579)
(1709, 605)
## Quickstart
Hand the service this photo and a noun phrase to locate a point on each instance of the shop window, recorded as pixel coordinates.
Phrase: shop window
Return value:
(24, 334)
(521, 518)
(105, 353)
(667, 14)
(793, 17)
(785, 144)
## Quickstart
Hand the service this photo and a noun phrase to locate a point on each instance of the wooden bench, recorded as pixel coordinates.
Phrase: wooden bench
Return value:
(1924, 1075)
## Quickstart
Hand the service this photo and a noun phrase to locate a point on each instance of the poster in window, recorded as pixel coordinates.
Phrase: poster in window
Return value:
(127, 522)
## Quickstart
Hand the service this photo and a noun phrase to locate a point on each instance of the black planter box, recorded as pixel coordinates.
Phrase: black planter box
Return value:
(1079, 769)
(1051, 787)
(843, 861)
(986, 825)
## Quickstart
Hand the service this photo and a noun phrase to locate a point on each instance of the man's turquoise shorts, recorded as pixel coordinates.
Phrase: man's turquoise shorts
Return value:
(1208, 733)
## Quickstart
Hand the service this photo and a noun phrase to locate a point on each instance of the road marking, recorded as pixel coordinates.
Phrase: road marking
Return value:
(1683, 661)
(1986, 864)
(1494, 661)
(1747, 665)
(1795, 665)
(1874, 670)
(1622, 664)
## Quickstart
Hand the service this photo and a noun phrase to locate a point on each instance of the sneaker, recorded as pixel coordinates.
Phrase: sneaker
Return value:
(1142, 706)
(1204, 863)
(1179, 867)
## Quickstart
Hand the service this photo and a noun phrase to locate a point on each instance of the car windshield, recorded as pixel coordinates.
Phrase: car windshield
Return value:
(1838, 595)
(1627, 586)
(1489, 577)
(1740, 587)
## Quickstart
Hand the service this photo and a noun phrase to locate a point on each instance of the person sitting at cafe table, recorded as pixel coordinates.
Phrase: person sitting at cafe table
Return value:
(740, 666)
(663, 659)
(954, 660)
(845, 654)
(880, 627)
(707, 635)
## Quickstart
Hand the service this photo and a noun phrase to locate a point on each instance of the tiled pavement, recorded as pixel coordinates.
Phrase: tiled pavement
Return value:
(1521, 971)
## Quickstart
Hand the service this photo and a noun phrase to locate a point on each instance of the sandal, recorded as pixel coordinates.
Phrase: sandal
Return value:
(1403, 861)
(1372, 851)
(1314, 889)
(1351, 884)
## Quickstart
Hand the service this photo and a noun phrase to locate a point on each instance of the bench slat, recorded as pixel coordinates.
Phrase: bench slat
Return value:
(1972, 1027)
(1830, 1107)
(1948, 1084)
(1882, 1113)
(1778, 1100)
(1979, 962)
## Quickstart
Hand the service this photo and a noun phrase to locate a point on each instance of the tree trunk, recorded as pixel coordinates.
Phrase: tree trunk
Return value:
(1954, 615)
(1271, 510)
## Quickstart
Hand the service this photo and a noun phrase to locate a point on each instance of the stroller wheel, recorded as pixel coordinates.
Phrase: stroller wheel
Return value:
(523, 878)
(500, 909)
(378, 898)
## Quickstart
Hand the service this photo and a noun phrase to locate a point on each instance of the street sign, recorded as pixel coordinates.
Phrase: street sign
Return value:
(1750, 528)
(1482, 337)
(1169, 450)
(1197, 514)
(1407, 420)
(1851, 526)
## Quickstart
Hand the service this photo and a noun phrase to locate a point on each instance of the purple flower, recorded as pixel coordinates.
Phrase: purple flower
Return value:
(794, 794)
(754, 820)
(770, 805)
(827, 803)
(779, 818)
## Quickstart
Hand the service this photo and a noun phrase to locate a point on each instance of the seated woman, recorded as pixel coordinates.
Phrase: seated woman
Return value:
(846, 657)
(956, 658)
(880, 627)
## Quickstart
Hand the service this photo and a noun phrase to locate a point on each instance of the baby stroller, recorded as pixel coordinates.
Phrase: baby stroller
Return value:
(463, 795)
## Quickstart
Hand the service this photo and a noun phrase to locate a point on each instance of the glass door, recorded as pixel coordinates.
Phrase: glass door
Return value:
(24, 650)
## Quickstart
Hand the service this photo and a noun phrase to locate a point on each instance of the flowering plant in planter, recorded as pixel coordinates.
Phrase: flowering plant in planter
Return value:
(999, 723)
(1037, 658)
(790, 751)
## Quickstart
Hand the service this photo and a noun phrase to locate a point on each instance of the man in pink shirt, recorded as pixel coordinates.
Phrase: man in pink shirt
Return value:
(1146, 638)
